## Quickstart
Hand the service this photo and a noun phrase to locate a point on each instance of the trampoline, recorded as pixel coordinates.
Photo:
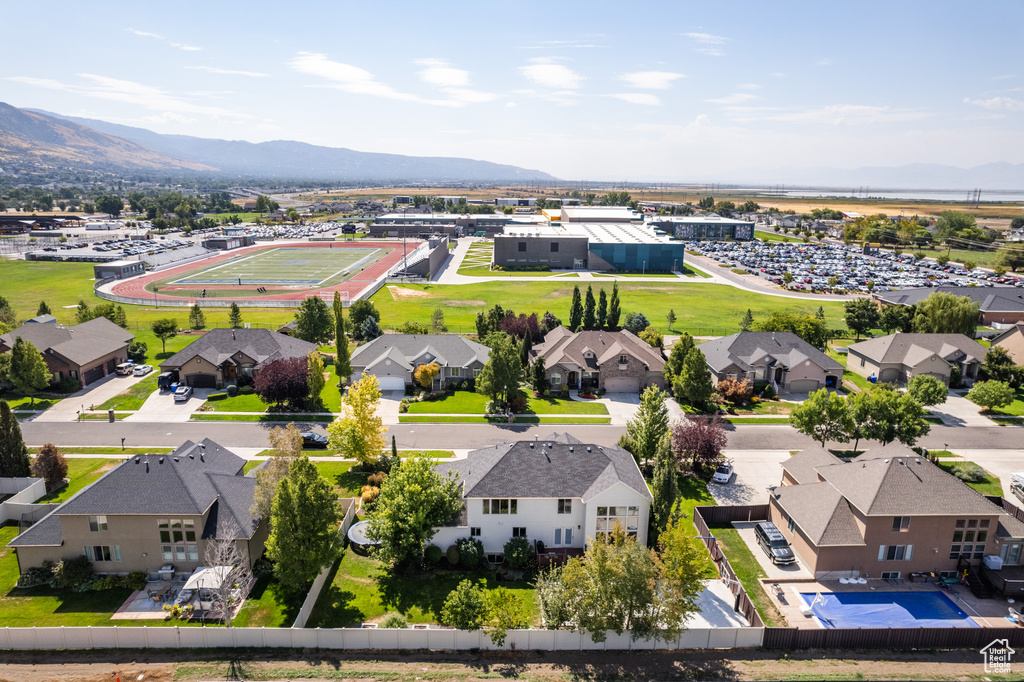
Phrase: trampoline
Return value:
(357, 536)
(886, 610)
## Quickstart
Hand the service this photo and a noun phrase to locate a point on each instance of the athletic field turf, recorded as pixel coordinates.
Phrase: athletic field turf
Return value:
(286, 267)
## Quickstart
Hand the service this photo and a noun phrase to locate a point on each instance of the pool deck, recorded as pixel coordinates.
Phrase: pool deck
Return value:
(987, 613)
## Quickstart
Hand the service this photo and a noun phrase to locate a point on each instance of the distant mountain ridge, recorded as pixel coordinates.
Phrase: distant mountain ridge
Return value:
(931, 176)
(282, 158)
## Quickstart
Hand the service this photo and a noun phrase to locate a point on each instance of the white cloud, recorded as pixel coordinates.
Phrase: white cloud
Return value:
(708, 43)
(638, 98)
(545, 73)
(550, 44)
(823, 62)
(157, 36)
(777, 74)
(228, 72)
(651, 80)
(438, 72)
(510, 105)
(1003, 77)
(735, 98)
(129, 92)
(997, 103)
(836, 115)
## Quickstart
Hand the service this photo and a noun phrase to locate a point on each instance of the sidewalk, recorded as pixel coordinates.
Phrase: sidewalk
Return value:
(92, 395)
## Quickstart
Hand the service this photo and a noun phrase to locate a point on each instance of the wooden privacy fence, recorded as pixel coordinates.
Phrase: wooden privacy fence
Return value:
(889, 638)
(759, 512)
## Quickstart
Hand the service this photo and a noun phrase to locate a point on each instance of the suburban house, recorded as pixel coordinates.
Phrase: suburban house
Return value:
(393, 358)
(782, 359)
(1013, 341)
(150, 511)
(617, 362)
(85, 352)
(998, 305)
(557, 491)
(886, 514)
(899, 357)
(220, 356)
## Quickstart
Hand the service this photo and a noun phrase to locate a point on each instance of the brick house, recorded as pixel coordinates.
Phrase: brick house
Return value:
(618, 362)
(897, 358)
(997, 305)
(781, 358)
(219, 356)
(85, 352)
(393, 358)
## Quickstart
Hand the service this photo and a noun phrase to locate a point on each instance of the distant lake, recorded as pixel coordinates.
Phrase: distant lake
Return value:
(915, 194)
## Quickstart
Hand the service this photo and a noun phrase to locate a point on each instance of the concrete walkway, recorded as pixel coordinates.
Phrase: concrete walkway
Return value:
(88, 398)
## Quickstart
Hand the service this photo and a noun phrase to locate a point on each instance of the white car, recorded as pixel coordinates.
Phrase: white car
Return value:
(142, 370)
(182, 394)
(723, 473)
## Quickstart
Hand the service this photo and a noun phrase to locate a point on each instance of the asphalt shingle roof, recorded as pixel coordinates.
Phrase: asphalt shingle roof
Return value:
(994, 299)
(745, 349)
(80, 344)
(262, 345)
(451, 350)
(821, 512)
(561, 345)
(803, 465)
(910, 349)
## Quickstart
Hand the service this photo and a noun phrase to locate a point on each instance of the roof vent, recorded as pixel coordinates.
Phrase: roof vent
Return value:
(161, 460)
(191, 456)
(176, 459)
(147, 465)
(886, 461)
(570, 448)
(137, 459)
(588, 448)
(917, 459)
(531, 446)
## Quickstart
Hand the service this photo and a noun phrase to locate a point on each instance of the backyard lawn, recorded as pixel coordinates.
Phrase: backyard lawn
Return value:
(133, 397)
(269, 606)
(749, 573)
(81, 472)
(362, 591)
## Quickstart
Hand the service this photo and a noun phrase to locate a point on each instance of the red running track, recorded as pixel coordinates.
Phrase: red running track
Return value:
(136, 287)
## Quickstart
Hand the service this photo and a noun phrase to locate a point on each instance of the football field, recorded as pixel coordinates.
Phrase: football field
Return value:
(299, 267)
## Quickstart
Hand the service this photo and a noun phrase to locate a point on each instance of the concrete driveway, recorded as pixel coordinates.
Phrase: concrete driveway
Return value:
(1001, 463)
(753, 472)
(621, 406)
(160, 407)
(791, 572)
(91, 396)
(388, 407)
(958, 411)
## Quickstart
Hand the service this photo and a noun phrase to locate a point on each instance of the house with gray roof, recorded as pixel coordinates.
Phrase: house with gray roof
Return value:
(886, 514)
(220, 356)
(899, 357)
(782, 359)
(393, 358)
(997, 305)
(84, 352)
(617, 362)
(150, 511)
(558, 492)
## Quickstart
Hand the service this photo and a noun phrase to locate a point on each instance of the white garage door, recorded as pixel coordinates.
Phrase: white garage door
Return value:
(391, 383)
(803, 385)
(622, 385)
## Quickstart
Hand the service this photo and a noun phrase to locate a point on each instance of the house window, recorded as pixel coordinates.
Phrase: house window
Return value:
(103, 552)
(522, 247)
(900, 524)
(474, 532)
(454, 371)
(476, 373)
(500, 506)
(791, 525)
(97, 523)
(554, 247)
(623, 359)
(890, 575)
(556, 379)
(178, 540)
(519, 532)
(627, 517)
(895, 552)
(565, 506)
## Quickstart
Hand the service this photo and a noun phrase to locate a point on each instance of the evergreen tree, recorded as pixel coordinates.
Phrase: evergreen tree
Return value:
(120, 318)
(539, 377)
(694, 382)
(342, 360)
(589, 305)
(196, 318)
(665, 488)
(650, 424)
(614, 309)
(671, 318)
(14, 461)
(394, 448)
(27, 372)
(235, 316)
(820, 315)
(602, 309)
(747, 320)
(674, 364)
(314, 321)
(576, 309)
(43, 309)
(370, 329)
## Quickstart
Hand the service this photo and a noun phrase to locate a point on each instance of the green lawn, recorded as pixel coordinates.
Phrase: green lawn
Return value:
(42, 606)
(133, 397)
(559, 406)
(757, 420)
(238, 403)
(283, 418)
(749, 573)
(362, 591)
(989, 486)
(348, 483)
(59, 284)
(81, 472)
(775, 237)
(764, 407)
(20, 402)
(420, 418)
(1014, 409)
(113, 450)
(466, 402)
(269, 606)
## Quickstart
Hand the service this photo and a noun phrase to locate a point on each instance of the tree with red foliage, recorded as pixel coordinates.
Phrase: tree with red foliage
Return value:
(520, 326)
(283, 380)
(735, 391)
(50, 464)
(698, 441)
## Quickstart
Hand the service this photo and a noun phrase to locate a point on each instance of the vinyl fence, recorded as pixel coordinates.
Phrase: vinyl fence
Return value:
(23, 493)
(178, 637)
(320, 580)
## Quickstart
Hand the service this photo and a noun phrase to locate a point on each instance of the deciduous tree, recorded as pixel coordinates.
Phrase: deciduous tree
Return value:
(286, 447)
(464, 607)
(164, 328)
(602, 309)
(680, 563)
(735, 391)
(589, 309)
(698, 441)
(359, 432)
(943, 313)
(425, 374)
(614, 308)
(927, 390)
(991, 394)
(895, 416)
(315, 379)
(575, 309)
(861, 315)
(664, 488)
(896, 318)
(284, 380)
(823, 417)
(342, 359)
(231, 559)
(314, 321)
(811, 330)
(500, 377)
(50, 465)
(28, 372)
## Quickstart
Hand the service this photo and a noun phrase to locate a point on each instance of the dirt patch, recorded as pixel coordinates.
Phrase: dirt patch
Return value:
(471, 303)
(106, 467)
(403, 294)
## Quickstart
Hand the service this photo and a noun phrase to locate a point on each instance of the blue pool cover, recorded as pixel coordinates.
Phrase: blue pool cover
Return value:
(888, 610)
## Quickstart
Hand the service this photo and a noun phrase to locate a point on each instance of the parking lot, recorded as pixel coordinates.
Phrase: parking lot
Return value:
(292, 231)
(825, 267)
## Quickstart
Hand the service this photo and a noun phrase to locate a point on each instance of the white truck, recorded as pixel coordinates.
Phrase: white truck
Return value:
(1017, 485)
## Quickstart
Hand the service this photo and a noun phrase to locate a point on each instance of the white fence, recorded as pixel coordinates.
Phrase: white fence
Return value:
(177, 637)
(23, 492)
(318, 582)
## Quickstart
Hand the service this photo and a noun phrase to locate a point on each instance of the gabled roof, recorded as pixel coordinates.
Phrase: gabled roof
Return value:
(744, 349)
(802, 466)
(911, 349)
(558, 467)
(991, 300)
(822, 513)
(80, 344)
(190, 480)
(561, 345)
(262, 345)
(449, 350)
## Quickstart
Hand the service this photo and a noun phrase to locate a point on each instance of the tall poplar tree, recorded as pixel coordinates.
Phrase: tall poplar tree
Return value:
(575, 309)
(602, 309)
(342, 361)
(589, 305)
(614, 309)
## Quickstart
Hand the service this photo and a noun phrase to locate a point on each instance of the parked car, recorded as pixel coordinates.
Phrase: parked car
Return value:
(313, 440)
(142, 370)
(774, 543)
(167, 381)
(182, 394)
(125, 368)
(723, 474)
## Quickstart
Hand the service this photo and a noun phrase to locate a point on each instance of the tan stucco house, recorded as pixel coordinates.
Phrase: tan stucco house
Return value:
(150, 511)
(84, 352)
(1013, 341)
(782, 359)
(393, 358)
(617, 362)
(897, 358)
(220, 356)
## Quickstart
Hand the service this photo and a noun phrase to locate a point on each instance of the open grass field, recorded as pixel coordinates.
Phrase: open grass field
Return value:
(282, 267)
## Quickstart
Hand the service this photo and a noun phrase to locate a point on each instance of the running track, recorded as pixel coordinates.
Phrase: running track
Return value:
(136, 286)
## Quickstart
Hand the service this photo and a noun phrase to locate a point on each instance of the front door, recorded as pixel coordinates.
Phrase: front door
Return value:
(574, 379)
(563, 537)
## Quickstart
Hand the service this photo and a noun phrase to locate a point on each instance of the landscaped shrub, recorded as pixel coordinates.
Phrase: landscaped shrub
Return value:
(452, 555)
(518, 554)
(37, 575)
(231, 390)
(768, 393)
(217, 396)
(394, 621)
(518, 403)
(246, 390)
(75, 574)
(470, 552)
(403, 406)
(433, 554)
(132, 581)
(969, 472)
(262, 568)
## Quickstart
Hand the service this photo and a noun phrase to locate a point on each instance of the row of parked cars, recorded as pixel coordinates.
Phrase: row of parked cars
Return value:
(130, 247)
(813, 266)
(290, 231)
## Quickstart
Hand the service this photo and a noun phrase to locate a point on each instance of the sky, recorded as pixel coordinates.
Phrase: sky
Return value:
(641, 91)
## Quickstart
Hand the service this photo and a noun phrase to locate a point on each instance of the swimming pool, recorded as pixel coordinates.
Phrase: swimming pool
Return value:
(887, 610)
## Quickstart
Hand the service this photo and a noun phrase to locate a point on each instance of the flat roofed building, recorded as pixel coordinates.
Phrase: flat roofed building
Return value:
(704, 227)
(599, 214)
(594, 246)
(118, 269)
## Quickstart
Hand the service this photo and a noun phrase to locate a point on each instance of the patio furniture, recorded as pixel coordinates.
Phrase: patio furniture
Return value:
(1016, 616)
